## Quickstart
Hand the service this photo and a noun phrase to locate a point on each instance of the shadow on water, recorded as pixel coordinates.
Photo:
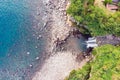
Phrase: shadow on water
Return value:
(75, 42)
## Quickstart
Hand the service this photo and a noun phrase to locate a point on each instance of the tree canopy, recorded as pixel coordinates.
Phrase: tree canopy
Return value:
(105, 65)
(97, 19)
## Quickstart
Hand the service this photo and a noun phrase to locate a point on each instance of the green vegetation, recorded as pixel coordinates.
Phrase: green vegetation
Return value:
(99, 21)
(82, 74)
(118, 6)
(105, 65)
(107, 2)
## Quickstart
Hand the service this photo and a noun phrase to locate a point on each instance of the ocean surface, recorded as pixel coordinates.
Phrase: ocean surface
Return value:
(20, 48)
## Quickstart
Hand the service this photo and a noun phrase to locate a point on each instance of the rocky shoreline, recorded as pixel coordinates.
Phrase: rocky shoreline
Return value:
(58, 64)
(59, 60)
(57, 18)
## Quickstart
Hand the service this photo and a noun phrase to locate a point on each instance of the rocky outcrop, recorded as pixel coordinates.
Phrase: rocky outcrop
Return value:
(108, 39)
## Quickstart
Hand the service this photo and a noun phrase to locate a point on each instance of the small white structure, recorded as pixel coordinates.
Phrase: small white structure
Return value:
(91, 42)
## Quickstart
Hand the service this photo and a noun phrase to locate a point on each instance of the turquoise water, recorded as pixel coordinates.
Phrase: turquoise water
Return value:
(16, 40)
(10, 23)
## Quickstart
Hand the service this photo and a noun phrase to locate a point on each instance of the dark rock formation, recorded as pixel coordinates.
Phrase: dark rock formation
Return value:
(108, 39)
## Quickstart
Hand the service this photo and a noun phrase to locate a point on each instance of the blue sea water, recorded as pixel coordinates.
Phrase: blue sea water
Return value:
(16, 40)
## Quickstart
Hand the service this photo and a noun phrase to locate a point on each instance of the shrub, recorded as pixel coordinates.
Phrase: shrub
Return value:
(105, 66)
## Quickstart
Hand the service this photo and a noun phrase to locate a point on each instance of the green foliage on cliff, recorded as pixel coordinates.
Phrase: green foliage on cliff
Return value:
(107, 2)
(105, 66)
(82, 74)
(98, 20)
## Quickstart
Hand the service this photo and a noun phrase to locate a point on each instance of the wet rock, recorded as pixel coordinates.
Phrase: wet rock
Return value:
(39, 36)
(28, 53)
(38, 13)
(110, 37)
(37, 58)
(31, 65)
(36, 47)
